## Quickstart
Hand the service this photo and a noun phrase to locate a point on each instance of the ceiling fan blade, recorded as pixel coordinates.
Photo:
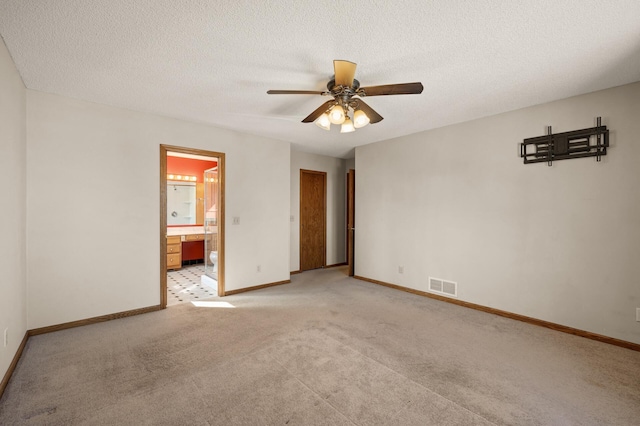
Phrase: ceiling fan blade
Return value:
(294, 92)
(392, 89)
(374, 117)
(318, 112)
(344, 72)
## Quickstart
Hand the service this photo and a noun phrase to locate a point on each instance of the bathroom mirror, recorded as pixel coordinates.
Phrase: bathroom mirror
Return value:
(181, 203)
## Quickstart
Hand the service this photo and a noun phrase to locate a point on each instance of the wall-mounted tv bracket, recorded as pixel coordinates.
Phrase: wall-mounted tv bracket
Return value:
(592, 142)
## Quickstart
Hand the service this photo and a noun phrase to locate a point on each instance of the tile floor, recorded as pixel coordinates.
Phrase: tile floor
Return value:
(184, 285)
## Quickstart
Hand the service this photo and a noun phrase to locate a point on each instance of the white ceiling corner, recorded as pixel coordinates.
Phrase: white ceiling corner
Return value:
(213, 62)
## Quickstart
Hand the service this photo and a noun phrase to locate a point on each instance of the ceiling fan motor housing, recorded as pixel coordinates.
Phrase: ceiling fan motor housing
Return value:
(338, 90)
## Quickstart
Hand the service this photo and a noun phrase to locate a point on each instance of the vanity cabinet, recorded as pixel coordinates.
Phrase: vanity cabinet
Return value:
(174, 252)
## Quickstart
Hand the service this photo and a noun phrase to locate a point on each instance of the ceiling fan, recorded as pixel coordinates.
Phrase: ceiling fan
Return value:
(347, 94)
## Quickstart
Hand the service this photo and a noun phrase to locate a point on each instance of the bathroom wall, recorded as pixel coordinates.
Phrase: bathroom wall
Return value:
(336, 197)
(13, 284)
(189, 167)
(557, 243)
(95, 249)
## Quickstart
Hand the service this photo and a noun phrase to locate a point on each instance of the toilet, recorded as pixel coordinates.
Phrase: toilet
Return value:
(213, 257)
(210, 279)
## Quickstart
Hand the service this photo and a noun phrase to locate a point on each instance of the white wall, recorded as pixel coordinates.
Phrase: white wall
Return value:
(350, 164)
(556, 243)
(94, 248)
(13, 305)
(336, 213)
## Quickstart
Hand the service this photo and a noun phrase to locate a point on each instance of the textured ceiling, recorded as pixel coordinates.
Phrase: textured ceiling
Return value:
(213, 61)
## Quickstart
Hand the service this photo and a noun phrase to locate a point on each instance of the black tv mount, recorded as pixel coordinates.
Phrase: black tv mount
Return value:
(591, 142)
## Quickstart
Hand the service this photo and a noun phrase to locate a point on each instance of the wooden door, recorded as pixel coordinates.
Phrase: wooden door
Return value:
(351, 216)
(313, 219)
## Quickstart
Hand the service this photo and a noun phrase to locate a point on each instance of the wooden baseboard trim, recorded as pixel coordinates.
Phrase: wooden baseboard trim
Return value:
(511, 315)
(94, 320)
(335, 264)
(295, 272)
(14, 363)
(256, 287)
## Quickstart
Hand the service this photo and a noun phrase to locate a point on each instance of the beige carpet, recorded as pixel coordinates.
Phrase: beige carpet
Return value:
(325, 349)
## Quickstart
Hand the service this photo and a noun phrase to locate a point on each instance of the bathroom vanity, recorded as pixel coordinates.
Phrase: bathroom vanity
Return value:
(193, 247)
(174, 252)
(185, 244)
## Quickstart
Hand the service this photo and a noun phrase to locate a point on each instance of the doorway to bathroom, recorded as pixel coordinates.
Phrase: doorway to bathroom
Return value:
(191, 224)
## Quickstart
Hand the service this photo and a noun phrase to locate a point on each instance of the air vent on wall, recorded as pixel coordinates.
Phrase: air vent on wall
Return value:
(446, 288)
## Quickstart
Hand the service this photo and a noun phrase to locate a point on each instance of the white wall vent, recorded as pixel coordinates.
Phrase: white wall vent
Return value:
(444, 287)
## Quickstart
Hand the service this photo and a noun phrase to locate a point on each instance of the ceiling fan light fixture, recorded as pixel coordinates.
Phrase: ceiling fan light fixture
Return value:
(360, 119)
(336, 115)
(347, 126)
(346, 93)
(323, 122)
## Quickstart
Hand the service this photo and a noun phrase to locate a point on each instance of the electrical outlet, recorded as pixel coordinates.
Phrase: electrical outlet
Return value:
(6, 337)
(291, 218)
(236, 220)
(259, 268)
(401, 269)
(638, 314)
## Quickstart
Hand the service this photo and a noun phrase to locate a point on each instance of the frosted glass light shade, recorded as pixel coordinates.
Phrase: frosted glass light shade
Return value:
(323, 122)
(347, 126)
(336, 115)
(360, 119)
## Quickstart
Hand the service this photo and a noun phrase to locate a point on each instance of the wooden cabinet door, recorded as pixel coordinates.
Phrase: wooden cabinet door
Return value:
(313, 219)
